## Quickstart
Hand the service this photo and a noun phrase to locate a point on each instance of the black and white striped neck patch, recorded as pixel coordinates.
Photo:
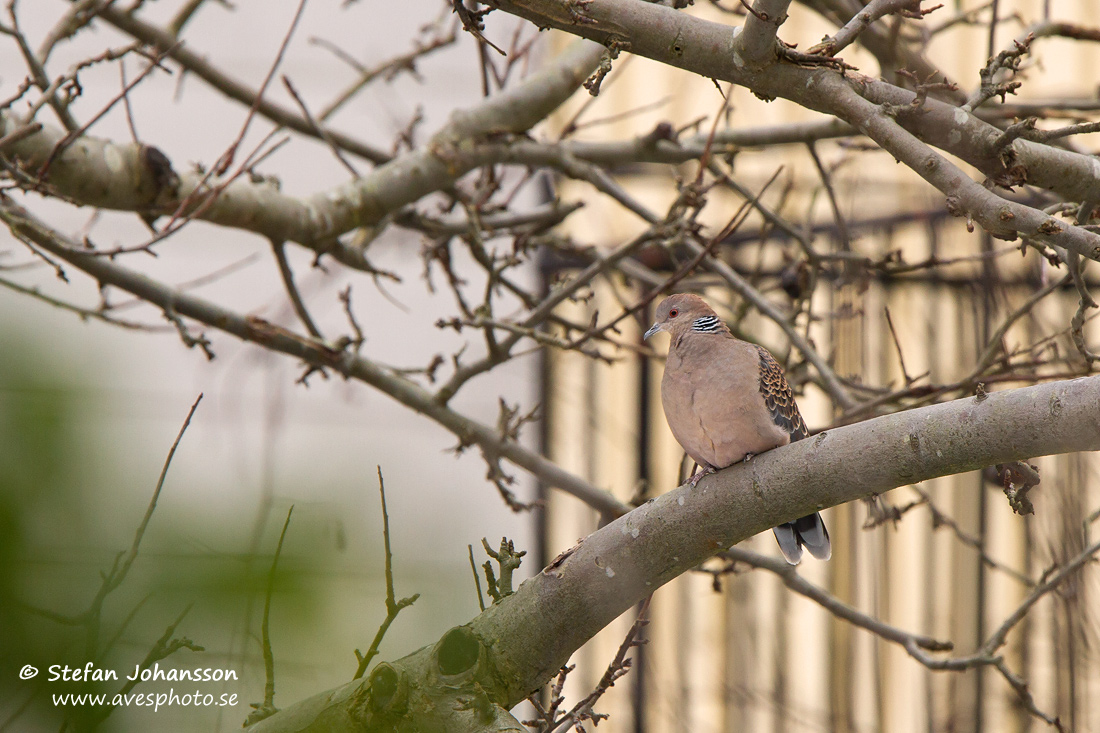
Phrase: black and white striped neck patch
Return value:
(706, 324)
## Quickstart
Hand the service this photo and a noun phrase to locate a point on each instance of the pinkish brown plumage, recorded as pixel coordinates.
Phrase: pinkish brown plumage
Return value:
(727, 400)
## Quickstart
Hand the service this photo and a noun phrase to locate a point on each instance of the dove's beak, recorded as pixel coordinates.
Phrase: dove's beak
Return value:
(652, 330)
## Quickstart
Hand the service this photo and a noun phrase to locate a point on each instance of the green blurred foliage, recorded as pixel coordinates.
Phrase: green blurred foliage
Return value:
(53, 557)
(36, 416)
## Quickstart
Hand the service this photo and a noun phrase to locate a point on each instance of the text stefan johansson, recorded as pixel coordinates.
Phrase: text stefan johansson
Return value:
(91, 673)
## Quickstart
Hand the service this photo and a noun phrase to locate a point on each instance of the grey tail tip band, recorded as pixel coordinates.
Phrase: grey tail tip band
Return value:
(808, 532)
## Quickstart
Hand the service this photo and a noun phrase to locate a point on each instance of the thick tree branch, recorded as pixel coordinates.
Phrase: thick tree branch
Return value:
(315, 353)
(952, 129)
(713, 50)
(758, 44)
(862, 20)
(137, 177)
(1000, 217)
(621, 563)
(475, 672)
(679, 39)
(886, 44)
(527, 637)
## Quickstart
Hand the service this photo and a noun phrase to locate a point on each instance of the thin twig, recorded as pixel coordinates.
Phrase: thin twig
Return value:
(114, 578)
(477, 578)
(795, 582)
(227, 158)
(393, 606)
(897, 345)
(321, 132)
(267, 707)
(995, 345)
(940, 519)
(387, 69)
(287, 276)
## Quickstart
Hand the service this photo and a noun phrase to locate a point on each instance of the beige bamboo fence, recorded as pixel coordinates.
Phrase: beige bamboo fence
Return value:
(754, 656)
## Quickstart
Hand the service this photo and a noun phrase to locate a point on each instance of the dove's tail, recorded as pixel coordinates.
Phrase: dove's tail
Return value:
(808, 532)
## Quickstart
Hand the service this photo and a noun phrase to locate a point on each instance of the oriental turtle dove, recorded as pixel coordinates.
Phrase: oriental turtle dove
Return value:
(727, 400)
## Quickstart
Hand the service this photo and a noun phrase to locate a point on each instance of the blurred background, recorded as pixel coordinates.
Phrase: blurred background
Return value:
(947, 558)
(88, 410)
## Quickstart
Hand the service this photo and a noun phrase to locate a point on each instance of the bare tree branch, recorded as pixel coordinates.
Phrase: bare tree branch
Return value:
(680, 40)
(590, 585)
(314, 353)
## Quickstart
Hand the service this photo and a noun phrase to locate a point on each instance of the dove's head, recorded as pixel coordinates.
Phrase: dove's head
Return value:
(682, 312)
